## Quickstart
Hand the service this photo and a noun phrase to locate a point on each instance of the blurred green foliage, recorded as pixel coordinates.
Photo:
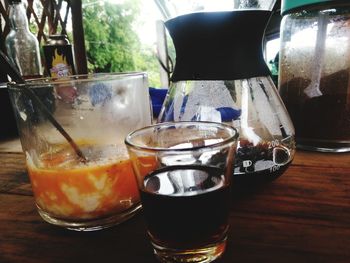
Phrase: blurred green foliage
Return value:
(112, 44)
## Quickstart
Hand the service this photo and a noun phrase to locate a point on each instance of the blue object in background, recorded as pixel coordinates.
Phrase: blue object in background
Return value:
(229, 114)
(157, 98)
(99, 93)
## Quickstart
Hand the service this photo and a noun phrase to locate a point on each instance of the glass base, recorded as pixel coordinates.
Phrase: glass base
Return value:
(323, 145)
(90, 225)
(200, 255)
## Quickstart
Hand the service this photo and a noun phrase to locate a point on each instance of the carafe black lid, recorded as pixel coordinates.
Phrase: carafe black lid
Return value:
(219, 45)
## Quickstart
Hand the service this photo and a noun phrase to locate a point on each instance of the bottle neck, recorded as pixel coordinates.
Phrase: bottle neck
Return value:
(18, 17)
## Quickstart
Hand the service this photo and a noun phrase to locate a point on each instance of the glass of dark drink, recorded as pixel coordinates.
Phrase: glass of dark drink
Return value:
(183, 171)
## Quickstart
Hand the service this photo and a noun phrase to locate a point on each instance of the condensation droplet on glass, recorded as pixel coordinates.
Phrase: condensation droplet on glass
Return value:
(23, 115)
(281, 155)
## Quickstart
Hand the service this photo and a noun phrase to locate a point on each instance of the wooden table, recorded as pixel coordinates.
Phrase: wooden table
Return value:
(304, 216)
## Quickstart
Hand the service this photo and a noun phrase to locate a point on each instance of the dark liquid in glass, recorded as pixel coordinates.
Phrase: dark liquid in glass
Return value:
(186, 206)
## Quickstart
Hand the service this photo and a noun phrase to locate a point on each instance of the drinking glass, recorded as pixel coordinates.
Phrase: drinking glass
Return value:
(183, 172)
(88, 184)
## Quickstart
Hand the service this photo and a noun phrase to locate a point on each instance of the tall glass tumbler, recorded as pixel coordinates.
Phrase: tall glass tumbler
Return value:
(97, 112)
(183, 172)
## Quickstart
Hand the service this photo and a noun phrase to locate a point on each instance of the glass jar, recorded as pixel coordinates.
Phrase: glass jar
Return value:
(59, 59)
(314, 77)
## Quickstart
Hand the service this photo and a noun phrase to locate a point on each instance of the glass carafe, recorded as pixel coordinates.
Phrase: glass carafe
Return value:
(220, 75)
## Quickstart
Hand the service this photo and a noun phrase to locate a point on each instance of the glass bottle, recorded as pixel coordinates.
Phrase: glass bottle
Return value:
(314, 72)
(220, 75)
(21, 45)
(59, 56)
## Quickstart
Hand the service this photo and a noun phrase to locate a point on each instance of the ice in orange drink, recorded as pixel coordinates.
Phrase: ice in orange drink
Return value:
(66, 188)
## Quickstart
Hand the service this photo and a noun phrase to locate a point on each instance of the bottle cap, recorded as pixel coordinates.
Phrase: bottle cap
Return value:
(58, 40)
(288, 5)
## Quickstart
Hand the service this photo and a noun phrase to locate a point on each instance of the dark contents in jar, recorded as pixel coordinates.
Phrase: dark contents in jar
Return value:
(326, 117)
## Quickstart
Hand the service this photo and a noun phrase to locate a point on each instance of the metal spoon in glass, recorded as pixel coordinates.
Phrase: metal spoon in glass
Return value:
(7, 66)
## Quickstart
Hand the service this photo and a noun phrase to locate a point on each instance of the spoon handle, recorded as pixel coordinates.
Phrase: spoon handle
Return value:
(7, 66)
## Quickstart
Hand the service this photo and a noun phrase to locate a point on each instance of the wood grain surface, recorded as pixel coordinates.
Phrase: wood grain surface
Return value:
(304, 216)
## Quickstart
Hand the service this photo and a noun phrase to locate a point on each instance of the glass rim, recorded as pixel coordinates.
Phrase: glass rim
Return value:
(79, 77)
(230, 138)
